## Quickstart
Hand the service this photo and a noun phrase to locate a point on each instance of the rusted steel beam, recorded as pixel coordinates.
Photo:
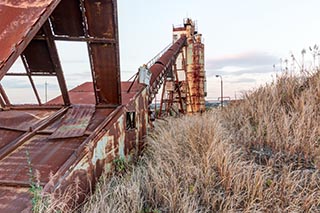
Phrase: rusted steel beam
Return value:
(83, 39)
(2, 103)
(179, 91)
(4, 96)
(162, 97)
(34, 74)
(20, 184)
(56, 62)
(49, 132)
(12, 129)
(30, 16)
(86, 34)
(22, 139)
(35, 107)
(25, 63)
(104, 58)
(92, 40)
(134, 80)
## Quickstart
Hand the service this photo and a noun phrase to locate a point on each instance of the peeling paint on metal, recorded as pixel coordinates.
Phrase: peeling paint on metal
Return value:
(121, 122)
(82, 165)
(100, 151)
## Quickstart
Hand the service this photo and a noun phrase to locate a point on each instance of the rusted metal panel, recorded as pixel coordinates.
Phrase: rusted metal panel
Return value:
(11, 146)
(6, 136)
(80, 160)
(22, 120)
(67, 20)
(45, 155)
(36, 64)
(75, 122)
(29, 16)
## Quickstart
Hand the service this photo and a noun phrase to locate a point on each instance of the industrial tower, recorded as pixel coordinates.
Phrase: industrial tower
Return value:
(184, 88)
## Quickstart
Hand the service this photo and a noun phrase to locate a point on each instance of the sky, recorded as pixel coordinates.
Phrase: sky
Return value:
(243, 40)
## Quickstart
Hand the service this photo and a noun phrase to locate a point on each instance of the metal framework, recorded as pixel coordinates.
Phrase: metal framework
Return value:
(41, 23)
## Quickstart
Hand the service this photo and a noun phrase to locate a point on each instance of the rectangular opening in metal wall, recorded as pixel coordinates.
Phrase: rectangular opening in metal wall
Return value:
(130, 120)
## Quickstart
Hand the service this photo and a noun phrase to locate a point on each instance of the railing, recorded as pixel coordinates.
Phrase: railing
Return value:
(154, 59)
(151, 62)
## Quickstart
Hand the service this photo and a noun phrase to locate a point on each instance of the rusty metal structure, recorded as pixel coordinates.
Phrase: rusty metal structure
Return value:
(77, 135)
(184, 88)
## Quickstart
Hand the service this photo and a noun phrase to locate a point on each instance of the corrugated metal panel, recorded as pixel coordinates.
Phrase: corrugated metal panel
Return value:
(75, 122)
(46, 156)
(6, 136)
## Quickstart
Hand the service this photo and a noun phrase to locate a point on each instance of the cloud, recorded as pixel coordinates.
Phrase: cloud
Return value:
(16, 82)
(246, 59)
(243, 80)
(243, 63)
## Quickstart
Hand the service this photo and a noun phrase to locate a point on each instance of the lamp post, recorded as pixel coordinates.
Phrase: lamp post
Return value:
(221, 89)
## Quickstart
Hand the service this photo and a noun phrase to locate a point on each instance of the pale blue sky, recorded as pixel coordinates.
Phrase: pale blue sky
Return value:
(243, 39)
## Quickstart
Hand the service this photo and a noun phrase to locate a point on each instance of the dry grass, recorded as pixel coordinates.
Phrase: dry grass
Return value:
(259, 155)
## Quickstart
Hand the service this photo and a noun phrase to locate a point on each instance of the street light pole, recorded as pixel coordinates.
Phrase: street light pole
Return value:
(221, 84)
